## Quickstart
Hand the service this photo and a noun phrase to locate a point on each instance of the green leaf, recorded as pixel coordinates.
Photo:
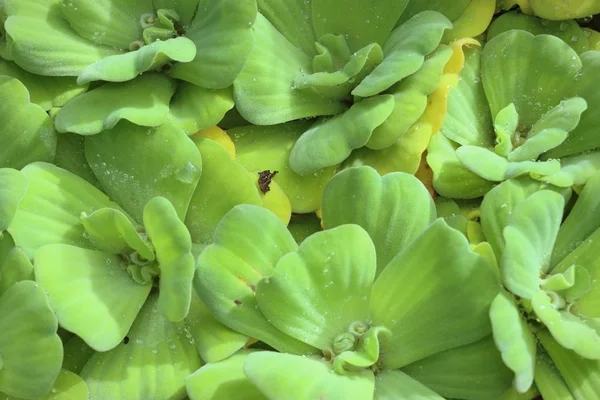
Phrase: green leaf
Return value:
(396, 385)
(318, 292)
(533, 72)
(451, 10)
(582, 221)
(303, 226)
(363, 22)
(171, 172)
(553, 10)
(51, 210)
(329, 142)
(77, 353)
(472, 21)
(474, 371)
(581, 375)
(585, 256)
(280, 376)
(514, 340)
(405, 50)
(221, 32)
(549, 381)
(223, 185)
(393, 209)
(43, 42)
(293, 19)
(583, 137)
(336, 69)
(186, 9)
(413, 290)
(27, 131)
(223, 379)
(30, 349)
(505, 126)
(498, 205)
(46, 92)
(249, 241)
(529, 238)
(90, 292)
(264, 91)
(410, 99)
(152, 364)
(492, 167)
(113, 232)
(450, 177)
(14, 265)
(365, 353)
(194, 108)
(70, 155)
(125, 67)
(550, 130)
(567, 329)
(143, 101)
(268, 148)
(468, 119)
(213, 340)
(13, 187)
(569, 31)
(173, 246)
(572, 284)
(575, 170)
(105, 22)
(68, 386)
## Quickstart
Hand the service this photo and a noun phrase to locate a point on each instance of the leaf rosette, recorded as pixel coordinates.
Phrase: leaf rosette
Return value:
(342, 305)
(549, 269)
(110, 268)
(523, 107)
(192, 51)
(367, 75)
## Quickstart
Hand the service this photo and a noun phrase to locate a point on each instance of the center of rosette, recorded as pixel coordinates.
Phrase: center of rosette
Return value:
(336, 70)
(357, 348)
(162, 25)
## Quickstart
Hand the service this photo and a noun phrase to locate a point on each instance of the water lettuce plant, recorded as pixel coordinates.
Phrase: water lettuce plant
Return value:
(367, 75)
(84, 246)
(549, 270)
(299, 199)
(148, 52)
(505, 121)
(344, 300)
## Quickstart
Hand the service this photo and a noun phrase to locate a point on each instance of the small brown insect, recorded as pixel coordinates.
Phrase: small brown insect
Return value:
(126, 340)
(264, 180)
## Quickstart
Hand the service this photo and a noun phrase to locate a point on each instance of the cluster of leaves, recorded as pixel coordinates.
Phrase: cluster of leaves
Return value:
(299, 199)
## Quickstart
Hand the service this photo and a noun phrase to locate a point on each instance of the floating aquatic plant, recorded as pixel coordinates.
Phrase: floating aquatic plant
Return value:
(367, 75)
(346, 295)
(514, 113)
(169, 56)
(299, 199)
(549, 271)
